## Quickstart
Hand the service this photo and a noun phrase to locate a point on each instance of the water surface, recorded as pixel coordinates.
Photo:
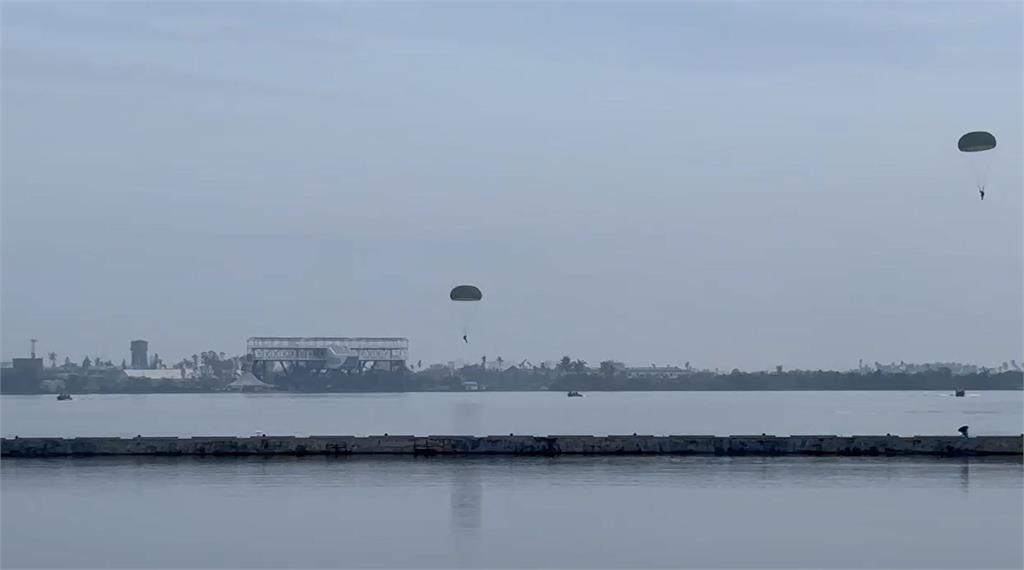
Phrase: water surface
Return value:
(583, 512)
(534, 413)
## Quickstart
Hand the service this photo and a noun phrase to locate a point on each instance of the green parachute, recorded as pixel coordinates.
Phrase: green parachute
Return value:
(976, 141)
(977, 147)
(465, 293)
(465, 305)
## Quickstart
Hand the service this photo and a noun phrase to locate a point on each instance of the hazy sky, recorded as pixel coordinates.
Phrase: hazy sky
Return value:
(743, 184)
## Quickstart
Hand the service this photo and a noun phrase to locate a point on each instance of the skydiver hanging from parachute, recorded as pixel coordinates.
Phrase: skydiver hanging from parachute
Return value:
(465, 294)
(978, 142)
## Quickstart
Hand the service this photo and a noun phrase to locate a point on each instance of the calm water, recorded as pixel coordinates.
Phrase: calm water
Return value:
(525, 512)
(512, 512)
(537, 413)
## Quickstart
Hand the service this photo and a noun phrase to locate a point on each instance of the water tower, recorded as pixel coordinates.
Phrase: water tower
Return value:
(140, 358)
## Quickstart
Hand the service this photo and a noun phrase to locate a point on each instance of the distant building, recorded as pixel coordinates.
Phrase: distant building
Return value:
(249, 383)
(470, 385)
(24, 376)
(350, 354)
(140, 358)
(161, 374)
(654, 372)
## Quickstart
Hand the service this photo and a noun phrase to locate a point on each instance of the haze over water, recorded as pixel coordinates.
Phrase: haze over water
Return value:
(741, 185)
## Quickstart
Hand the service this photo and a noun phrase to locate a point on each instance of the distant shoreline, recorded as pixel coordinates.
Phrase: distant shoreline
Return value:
(509, 390)
(470, 380)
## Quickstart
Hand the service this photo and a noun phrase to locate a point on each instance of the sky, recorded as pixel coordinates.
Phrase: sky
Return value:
(726, 184)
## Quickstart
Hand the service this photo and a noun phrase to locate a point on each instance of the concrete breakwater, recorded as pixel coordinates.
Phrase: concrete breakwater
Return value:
(858, 445)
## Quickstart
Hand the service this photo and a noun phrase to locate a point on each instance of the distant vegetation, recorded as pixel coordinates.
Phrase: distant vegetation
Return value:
(211, 371)
(799, 380)
(607, 378)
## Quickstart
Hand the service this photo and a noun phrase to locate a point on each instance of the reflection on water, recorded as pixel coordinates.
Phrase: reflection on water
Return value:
(467, 489)
(467, 496)
(466, 418)
(630, 512)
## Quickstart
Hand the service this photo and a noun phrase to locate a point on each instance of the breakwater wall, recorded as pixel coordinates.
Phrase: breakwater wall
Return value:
(857, 445)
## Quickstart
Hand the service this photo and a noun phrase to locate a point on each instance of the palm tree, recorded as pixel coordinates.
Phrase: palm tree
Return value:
(608, 368)
(565, 364)
(53, 359)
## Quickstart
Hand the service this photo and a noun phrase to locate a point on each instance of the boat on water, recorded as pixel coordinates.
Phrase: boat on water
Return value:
(574, 394)
(63, 397)
(959, 393)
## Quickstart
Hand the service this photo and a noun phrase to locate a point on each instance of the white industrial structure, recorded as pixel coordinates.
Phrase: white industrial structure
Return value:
(324, 354)
(157, 374)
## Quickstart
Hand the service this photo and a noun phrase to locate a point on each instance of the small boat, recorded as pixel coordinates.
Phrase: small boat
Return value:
(574, 394)
(959, 393)
(63, 397)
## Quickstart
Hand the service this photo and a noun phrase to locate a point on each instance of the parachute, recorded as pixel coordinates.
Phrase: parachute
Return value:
(466, 300)
(977, 147)
(976, 141)
(465, 293)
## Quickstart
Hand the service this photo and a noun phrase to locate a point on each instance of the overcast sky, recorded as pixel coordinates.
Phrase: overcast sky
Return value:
(734, 185)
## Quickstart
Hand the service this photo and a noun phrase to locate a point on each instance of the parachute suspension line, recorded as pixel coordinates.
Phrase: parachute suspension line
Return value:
(977, 147)
(981, 164)
(465, 300)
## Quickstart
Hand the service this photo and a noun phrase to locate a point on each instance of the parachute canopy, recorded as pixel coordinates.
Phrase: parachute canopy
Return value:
(976, 141)
(465, 293)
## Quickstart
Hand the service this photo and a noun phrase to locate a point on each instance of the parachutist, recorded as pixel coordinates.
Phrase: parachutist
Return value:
(975, 142)
(462, 294)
